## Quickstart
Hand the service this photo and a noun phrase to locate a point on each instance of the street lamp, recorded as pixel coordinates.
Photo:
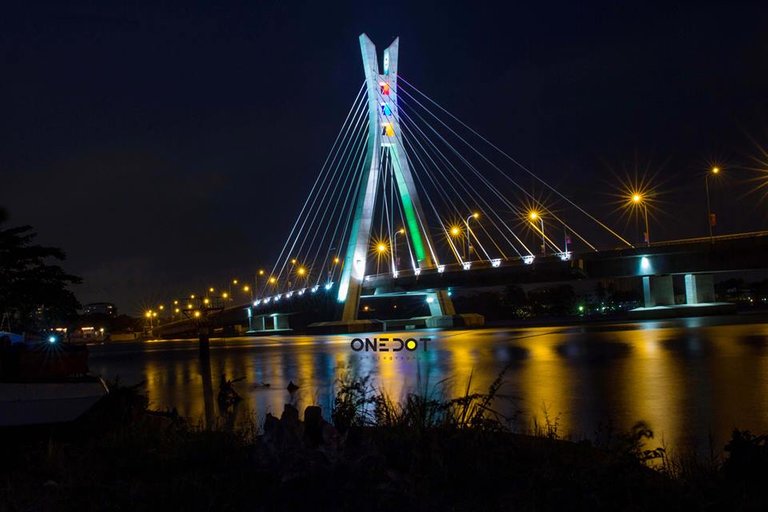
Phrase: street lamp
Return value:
(639, 200)
(469, 240)
(259, 274)
(710, 216)
(400, 231)
(456, 233)
(533, 216)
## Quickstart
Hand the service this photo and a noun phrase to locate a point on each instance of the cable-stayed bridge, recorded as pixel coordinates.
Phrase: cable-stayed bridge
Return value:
(411, 200)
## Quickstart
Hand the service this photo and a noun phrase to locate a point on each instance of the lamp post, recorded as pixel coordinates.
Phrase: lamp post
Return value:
(469, 233)
(400, 231)
(639, 200)
(533, 216)
(256, 289)
(456, 232)
(710, 218)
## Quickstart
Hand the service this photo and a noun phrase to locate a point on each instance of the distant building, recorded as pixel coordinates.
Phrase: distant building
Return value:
(100, 308)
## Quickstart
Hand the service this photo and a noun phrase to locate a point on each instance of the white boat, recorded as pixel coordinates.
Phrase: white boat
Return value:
(48, 382)
(43, 402)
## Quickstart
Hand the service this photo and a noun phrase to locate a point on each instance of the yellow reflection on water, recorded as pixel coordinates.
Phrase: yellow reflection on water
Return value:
(650, 381)
(545, 381)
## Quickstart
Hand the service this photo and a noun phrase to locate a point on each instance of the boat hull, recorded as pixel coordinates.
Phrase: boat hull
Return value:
(39, 403)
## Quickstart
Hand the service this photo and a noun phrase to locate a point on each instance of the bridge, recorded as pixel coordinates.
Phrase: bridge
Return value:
(410, 200)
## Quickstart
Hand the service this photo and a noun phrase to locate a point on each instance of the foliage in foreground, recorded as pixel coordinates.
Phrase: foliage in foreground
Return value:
(424, 452)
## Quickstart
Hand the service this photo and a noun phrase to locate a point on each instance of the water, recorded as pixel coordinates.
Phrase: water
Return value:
(690, 379)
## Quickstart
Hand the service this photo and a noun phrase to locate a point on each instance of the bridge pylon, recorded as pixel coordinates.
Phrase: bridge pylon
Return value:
(384, 142)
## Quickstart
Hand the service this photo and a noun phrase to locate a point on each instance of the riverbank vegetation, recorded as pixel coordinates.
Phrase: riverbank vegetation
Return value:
(369, 452)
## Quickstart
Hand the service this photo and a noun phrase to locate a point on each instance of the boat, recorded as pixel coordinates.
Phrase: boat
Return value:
(45, 382)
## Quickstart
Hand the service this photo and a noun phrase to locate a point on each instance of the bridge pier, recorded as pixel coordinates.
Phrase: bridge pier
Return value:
(699, 288)
(440, 304)
(658, 291)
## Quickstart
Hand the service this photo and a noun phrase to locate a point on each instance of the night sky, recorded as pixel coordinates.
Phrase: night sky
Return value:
(169, 148)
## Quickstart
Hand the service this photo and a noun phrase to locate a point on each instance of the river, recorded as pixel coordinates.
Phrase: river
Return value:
(691, 379)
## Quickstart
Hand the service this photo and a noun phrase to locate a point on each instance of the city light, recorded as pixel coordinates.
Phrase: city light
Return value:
(381, 248)
(197, 314)
(224, 295)
(455, 230)
(637, 198)
(301, 271)
(533, 215)
(272, 280)
(211, 290)
(336, 260)
(246, 288)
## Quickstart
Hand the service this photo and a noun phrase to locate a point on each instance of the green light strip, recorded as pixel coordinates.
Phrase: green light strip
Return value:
(414, 230)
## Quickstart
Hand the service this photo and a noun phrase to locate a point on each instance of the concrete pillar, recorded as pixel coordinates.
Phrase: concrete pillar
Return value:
(440, 304)
(281, 322)
(699, 288)
(658, 291)
(258, 323)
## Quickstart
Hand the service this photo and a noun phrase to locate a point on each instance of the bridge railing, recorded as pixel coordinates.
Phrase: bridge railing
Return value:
(469, 265)
(734, 236)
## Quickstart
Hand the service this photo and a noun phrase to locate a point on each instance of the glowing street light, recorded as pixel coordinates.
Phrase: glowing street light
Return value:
(710, 216)
(638, 200)
(400, 231)
(533, 216)
(475, 215)
(381, 248)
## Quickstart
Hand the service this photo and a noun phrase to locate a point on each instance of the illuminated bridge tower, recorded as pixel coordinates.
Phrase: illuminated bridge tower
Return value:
(384, 142)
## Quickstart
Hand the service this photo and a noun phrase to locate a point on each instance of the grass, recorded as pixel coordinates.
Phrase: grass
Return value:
(423, 452)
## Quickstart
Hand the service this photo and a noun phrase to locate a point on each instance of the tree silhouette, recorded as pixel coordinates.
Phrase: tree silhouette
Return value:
(33, 292)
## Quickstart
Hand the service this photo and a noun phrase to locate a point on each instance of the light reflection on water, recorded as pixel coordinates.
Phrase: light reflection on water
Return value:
(688, 378)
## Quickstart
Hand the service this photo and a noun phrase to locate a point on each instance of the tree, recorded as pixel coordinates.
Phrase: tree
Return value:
(33, 292)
